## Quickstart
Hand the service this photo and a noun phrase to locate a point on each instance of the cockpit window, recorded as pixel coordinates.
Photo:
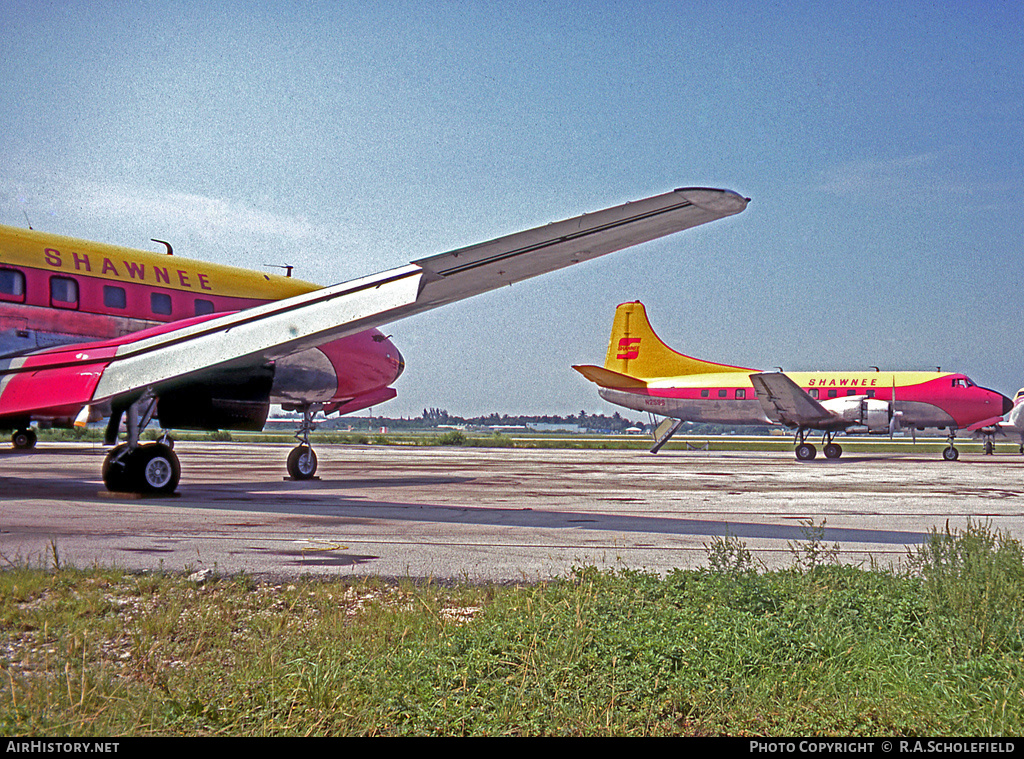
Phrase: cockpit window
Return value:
(962, 382)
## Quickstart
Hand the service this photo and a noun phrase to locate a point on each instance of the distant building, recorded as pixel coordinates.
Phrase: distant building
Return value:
(549, 427)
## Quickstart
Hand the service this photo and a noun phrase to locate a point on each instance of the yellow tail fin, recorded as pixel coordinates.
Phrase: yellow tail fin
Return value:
(635, 350)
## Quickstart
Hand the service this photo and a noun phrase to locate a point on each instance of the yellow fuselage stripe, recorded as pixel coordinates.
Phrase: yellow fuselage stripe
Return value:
(68, 255)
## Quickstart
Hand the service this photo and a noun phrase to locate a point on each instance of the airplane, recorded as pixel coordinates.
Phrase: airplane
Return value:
(641, 372)
(1014, 424)
(1011, 427)
(90, 331)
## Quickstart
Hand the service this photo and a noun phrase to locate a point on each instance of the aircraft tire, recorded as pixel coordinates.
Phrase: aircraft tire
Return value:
(115, 474)
(833, 451)
(950, 454)
(154, 468)
(302, 463)
(989, 447)
(805, 452)
(24, 440)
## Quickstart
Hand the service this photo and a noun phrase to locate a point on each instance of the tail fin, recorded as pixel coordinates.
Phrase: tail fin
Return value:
(635, 350)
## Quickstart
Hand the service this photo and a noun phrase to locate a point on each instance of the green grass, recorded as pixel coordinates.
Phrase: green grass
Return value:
(931, 648)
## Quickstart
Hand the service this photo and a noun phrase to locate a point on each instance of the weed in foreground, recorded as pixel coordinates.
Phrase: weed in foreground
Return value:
(720, 651)
(974, 585)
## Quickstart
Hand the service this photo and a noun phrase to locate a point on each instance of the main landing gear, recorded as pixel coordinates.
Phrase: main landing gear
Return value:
(302, 459)
(135, 468)
(150, 468)
(806, 452)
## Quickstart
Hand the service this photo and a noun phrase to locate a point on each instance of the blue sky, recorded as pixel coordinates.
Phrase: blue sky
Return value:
(880, 143)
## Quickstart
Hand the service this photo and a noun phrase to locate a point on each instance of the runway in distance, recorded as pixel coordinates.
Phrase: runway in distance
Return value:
(91, 331)
(641, 372)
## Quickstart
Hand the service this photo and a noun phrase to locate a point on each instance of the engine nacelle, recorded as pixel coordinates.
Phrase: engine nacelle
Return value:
(223, 400)
(871, 413)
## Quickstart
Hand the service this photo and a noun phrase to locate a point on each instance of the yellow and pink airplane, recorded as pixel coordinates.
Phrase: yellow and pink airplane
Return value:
(91, 331)
(641, 372)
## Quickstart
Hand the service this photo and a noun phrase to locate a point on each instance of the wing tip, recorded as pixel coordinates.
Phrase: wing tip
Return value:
(725, 202)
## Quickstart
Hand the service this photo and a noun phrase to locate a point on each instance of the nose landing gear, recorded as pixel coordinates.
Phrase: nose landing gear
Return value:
(302, 459)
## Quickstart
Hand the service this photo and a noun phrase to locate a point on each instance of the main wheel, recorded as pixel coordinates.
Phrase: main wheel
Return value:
(24, 440)
(950, 454)
(805, 452)
(989, 446)
(115, 473)
(302, 463)
(154, 468)
(833, 451)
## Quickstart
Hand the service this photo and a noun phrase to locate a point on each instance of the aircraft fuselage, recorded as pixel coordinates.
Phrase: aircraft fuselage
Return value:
(925, 399)
(62, 291)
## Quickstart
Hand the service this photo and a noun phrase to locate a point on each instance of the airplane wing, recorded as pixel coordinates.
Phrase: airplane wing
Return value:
(91, 373)
(786, 403)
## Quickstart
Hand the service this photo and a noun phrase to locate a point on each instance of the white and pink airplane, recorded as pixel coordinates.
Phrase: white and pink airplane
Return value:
(641, 372)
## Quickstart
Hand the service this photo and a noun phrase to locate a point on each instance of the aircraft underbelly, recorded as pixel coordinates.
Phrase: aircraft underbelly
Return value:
(920, 414)
(704, 410)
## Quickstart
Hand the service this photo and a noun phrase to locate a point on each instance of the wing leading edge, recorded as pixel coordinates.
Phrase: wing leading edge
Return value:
(147, 360)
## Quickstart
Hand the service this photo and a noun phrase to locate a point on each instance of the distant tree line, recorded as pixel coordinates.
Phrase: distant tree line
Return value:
(436, 417)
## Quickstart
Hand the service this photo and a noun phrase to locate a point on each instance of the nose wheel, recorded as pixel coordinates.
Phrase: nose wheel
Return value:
(302, 463)
(24, 440)
(950, 453)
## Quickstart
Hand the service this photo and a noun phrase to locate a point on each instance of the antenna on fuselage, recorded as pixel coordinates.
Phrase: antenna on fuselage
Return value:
(27, 219)
(287, 268)
(170, 250)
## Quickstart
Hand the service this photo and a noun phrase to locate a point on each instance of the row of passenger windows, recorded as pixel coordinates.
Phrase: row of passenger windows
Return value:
(741, 393)
(64, 294)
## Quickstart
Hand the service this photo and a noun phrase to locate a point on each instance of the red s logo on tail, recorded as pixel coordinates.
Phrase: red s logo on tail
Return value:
(627, 352)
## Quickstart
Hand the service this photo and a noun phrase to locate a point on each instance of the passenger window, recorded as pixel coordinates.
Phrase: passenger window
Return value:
(203, 307)
(723, 393)
(160, 303)
(813, 392)
(12, 284)
(63, 292)
(114, 297)
(705, 393)
(741, 394)
(832, 393)
(851, 391)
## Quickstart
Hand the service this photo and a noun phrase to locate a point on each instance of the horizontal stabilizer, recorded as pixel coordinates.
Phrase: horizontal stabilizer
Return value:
(607, 378)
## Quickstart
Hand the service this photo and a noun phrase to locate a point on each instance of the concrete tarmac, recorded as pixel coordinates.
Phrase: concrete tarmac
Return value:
(488, 514)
